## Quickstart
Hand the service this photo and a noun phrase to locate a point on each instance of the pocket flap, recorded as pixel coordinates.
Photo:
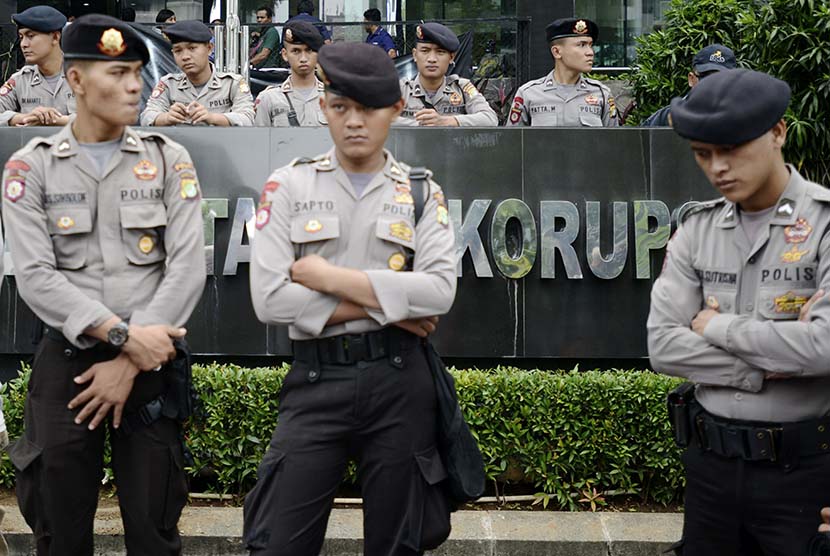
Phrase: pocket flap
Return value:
(781, 303)
(143, 215)
(314, 227)
(69, 220)
(23, 452)
(590, 120)
(396, 230)
(431, 466)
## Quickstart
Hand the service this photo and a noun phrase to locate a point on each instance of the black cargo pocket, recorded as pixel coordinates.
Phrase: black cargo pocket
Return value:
(428, 514)
(25, 455)
(176, 494)
(256, 531)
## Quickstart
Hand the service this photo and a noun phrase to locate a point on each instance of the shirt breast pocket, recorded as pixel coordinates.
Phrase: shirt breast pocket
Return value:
(142, 232)
(589, 119)
(69, 228)
(315, 234)
(397, 242)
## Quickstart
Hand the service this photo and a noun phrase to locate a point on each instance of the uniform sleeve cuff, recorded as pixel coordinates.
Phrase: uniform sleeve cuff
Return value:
(314, 315)
(394, 303)
(94, 314)
(748, 378)
(238, 120)
(145, 318)
(716, 331)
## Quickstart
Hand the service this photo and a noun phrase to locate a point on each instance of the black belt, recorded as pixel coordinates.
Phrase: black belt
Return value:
(754, 441)
(348, 349)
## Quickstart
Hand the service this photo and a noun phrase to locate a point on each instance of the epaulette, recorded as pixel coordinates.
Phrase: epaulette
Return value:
(596, 83)
(702, 207)
(818, 192)
(145, 134)
(301, 160)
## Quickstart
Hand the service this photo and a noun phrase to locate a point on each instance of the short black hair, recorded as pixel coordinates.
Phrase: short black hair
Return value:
(268, 10)
(305, 7)
(164, 15)
(128, 14)
(372, 14)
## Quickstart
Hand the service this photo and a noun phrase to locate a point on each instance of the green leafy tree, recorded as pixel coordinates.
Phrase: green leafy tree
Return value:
(789, 39)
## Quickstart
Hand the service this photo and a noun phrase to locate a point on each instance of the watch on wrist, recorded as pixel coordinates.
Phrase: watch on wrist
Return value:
(118, 334)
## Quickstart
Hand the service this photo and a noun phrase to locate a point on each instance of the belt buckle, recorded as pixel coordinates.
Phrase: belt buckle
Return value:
(354, 347)
(774, 449)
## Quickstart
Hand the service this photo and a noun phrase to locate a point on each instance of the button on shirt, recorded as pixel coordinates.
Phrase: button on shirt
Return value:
(272, 106)
(28, 88)
(87, 245)
(758, 287)
(311, 207)
(458, 98)
(224, 93)
(544, 102)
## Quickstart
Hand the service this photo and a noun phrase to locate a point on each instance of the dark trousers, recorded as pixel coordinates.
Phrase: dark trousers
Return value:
(60, 464)
(743, 508)
(382, 416)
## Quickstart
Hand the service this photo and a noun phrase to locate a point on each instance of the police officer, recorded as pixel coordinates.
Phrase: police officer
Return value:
(565, 97)
(334, 237)
(105, 230)
(297, 101)
(434, 98)
(38, 94)
(709, 60)
(739, 310)
(199, 95)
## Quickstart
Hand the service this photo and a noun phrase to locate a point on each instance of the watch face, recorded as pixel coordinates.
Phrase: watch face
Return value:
(117, 335)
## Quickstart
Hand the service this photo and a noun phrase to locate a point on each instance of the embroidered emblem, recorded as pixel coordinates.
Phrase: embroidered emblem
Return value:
(145, 170)
(516, 111)
(442, 215)
(15, 188)
(263, 215)
(18, 165)
(581, 27)
(401, 230)
(798, 232)
(244, 87)
(404, 199)
(158, 90)
(455, 99)
(7, 87)
(189, 187)
(789, 303)
(712, 303)
(793, 255)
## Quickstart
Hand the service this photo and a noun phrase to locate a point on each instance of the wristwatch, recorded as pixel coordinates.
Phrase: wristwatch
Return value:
(118, 334)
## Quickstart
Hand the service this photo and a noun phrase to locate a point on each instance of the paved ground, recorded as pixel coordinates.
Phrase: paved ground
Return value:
(217, 532)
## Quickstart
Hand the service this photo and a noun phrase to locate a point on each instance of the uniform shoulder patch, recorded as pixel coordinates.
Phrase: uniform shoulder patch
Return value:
(703, 206)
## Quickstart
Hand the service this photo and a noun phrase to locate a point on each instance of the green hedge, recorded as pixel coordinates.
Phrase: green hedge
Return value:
(561, 432)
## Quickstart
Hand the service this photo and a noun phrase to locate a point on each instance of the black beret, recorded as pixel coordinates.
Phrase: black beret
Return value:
(571, 27)
(188, 31)
(43, 19)
(302, 32)
(363, 72)
(730, 107)
(714, 57)
(435, 33)
(101, 37)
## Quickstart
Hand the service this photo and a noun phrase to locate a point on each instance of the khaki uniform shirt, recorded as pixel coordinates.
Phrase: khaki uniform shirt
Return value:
(544, 102)
(758, 290)
(272, 106)
(224, 93)
(311, 208)
(27, 89)
(459, 98)
(86, 247)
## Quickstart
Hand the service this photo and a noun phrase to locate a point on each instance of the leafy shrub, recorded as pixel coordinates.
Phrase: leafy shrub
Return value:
(559, 431)
(789, 39)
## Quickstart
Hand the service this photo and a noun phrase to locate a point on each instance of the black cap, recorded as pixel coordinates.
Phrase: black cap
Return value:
(188, 31)
(435, 33)
(730, 107)
(571, 27)
(101, 37)
(363, 72)
(43, 19)
(715, 57)
(302, 32)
